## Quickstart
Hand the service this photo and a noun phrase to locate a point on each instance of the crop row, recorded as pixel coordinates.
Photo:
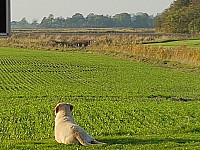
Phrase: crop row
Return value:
(43, 73)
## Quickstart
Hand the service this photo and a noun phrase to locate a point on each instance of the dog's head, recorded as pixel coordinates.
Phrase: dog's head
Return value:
(63, 106)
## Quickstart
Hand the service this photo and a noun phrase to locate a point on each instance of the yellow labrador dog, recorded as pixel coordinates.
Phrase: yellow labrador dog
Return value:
(66, 130)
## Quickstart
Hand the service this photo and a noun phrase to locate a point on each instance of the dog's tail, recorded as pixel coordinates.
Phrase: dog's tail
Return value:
(95, 142)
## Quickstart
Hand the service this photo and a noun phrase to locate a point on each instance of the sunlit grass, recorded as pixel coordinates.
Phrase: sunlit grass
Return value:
(188, 43)
(127, 105)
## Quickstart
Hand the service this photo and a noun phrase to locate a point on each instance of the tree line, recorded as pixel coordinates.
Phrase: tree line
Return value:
(183, 16)
(138, 20)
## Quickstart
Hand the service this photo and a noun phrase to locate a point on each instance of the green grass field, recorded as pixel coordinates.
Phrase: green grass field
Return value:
(190, 43)
(127, 105)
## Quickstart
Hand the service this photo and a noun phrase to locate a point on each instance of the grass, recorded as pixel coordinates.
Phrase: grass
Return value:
(128, 105)
(192, 43)
(121, 124)
(121, 142)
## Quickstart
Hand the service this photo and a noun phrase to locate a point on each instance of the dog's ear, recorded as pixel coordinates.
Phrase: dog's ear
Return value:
(71, 107)
(57, 109)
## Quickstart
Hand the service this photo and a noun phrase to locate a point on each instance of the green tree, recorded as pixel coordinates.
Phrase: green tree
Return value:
(98, 21)
(122, 20)
(180, 3)
(59, 22)
(47, 22)
(182, 17)
(34, 23)
(142, 20)
(78, 21)
(23, 23)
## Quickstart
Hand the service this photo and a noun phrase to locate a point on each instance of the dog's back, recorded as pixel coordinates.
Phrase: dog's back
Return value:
(66, 130)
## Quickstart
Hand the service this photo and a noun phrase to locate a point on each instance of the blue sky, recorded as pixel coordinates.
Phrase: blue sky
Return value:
(37, 9)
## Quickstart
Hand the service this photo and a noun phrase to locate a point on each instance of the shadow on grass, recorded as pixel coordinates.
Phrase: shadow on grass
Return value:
(111, 141)
(197, 130)
(132, 141)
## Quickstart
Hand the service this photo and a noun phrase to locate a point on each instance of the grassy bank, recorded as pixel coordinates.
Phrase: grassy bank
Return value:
(183, 51)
